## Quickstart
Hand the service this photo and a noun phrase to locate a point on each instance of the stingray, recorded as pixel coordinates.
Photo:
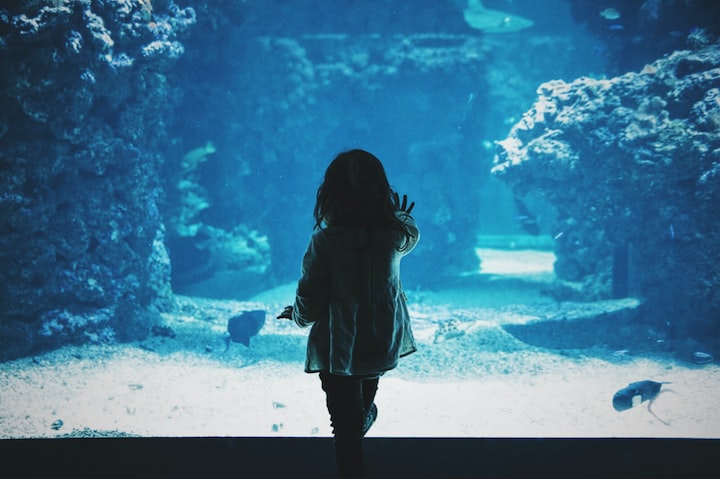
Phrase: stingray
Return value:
(493, 21)
(244, 326)
(636, 393)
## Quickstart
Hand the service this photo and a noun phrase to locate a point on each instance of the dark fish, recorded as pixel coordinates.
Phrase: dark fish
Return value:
(636, 393)
(244, 326)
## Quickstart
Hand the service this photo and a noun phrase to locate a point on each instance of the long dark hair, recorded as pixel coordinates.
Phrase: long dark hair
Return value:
(356, 192)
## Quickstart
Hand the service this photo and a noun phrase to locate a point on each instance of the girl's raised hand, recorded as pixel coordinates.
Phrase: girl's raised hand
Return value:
(402, 206)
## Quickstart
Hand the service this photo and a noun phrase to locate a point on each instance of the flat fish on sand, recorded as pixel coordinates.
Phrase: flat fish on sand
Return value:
(244, 326)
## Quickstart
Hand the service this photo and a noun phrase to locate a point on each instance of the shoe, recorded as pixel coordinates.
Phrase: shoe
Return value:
(370, 418)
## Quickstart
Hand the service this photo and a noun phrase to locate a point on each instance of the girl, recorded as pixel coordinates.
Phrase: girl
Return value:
(350, 292)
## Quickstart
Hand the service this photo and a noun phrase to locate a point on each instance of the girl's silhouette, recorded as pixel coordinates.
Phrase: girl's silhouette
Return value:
(350, 292)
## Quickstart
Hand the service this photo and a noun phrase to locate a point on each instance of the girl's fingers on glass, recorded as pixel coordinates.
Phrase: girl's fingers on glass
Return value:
(402, 206)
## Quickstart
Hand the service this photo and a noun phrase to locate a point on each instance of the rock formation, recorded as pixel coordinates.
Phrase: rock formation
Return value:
(82, 254)
(632, 164)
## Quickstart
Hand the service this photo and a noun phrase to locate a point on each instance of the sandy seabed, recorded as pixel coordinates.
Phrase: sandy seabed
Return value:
(470, 377)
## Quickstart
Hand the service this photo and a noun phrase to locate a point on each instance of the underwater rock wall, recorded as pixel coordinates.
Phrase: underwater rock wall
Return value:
(288, 104)
(83, 102)
(279, 88)
(632, 164)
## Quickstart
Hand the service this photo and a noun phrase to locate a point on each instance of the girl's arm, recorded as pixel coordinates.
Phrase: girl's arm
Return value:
(311, 298)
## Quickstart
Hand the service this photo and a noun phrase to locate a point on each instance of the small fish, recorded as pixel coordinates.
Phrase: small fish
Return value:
(528, 221)
(493, 21)
(700, 357)
(636, 393)
(610, 14)
(57, 424)
(244, 326)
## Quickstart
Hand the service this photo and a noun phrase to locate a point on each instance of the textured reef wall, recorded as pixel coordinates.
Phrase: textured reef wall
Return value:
(632, 164)
(327, 93)
(291, 97)
(83, 100)
(280, 88)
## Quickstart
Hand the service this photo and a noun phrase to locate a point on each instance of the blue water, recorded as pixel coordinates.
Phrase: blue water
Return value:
(160, 150)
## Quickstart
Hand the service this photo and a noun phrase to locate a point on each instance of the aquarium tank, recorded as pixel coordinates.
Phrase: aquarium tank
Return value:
(160, 161)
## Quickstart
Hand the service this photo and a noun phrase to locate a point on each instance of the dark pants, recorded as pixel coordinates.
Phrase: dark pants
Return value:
(349, 399)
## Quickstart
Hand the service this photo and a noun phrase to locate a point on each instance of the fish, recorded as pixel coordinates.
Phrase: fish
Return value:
(610, 14)
(700, 357)
(493, 21)
(244, 326)
(636, 393)
(528, 221)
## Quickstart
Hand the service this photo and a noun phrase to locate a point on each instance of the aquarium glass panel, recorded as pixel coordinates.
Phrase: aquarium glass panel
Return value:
(160, 208)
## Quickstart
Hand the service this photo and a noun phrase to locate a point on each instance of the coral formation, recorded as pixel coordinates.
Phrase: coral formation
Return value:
(632, 164)
(327, 89)
(418, 98)
(83, 255)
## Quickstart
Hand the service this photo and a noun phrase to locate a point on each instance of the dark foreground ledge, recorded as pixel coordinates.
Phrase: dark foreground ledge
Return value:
(396, 458)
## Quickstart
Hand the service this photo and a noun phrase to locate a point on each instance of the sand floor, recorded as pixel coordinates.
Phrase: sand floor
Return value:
(471, 378)
(136, 392)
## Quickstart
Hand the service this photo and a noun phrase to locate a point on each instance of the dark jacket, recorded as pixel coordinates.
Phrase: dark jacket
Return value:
(350, 292)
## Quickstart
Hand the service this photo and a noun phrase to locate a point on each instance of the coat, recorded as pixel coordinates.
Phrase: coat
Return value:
(351, 294)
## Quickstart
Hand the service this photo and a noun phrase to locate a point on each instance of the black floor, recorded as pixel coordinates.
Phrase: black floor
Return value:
(297, 458)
